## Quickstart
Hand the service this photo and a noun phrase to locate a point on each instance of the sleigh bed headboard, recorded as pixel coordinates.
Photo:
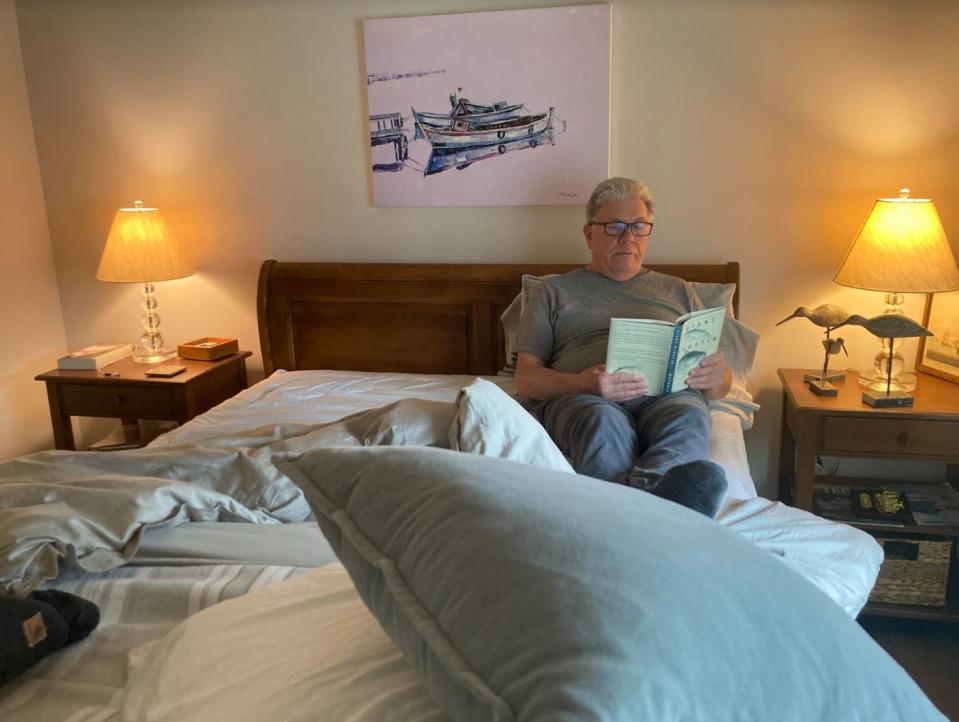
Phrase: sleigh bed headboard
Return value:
(415, 318)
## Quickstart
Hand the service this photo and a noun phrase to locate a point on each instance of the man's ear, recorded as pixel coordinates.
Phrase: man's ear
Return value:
(588, 235)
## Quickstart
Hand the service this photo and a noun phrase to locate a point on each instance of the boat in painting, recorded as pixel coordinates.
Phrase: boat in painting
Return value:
(466, 110)
(465, 133)
(442, 159)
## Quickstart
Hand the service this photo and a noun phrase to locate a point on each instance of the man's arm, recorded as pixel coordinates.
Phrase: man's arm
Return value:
(712, 376)
(534, 378)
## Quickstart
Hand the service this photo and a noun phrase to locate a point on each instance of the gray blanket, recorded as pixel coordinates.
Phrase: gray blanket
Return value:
(88, 510)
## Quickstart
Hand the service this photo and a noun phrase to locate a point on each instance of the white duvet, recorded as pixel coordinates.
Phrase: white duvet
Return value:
(307, 648)
(843, 562)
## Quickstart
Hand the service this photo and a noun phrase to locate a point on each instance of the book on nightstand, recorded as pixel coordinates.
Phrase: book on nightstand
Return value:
(93, 358)
(882, 505)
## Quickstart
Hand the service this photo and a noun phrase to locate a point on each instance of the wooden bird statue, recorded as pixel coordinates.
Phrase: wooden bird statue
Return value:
(888, 326)
(828, 316)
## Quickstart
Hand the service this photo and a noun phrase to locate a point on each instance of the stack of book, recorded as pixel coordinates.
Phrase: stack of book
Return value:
(890, 504)
(94, 358)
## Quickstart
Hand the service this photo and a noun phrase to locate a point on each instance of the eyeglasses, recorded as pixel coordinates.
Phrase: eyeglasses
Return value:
(618, 228)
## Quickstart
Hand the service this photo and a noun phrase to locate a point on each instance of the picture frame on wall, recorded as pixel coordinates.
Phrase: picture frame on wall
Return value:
(939, 353)
(489, 108)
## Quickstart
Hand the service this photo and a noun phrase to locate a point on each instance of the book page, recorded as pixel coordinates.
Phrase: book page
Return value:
(640, 345)
(700, 337)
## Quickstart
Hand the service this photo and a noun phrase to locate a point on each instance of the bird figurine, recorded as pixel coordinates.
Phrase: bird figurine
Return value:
(888, 326)
(827, 315)
(830, 317)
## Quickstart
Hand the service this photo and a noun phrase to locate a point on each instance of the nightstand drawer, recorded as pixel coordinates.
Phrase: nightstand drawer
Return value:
(890, 436)
(116, 400)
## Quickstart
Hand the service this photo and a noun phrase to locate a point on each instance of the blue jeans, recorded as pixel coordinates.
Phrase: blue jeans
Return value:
(631, 443)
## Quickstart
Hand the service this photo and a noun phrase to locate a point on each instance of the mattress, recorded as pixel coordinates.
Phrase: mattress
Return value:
(180, 572)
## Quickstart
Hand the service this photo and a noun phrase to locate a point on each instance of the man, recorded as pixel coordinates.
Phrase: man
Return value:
(604, 422)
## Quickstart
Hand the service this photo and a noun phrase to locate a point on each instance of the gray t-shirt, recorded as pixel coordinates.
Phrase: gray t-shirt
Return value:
(565, 319)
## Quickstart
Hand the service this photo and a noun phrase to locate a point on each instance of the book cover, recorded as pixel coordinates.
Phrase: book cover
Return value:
(664, 352)
(933, 504)
(881, 505)
(833, 501)
(94, 357)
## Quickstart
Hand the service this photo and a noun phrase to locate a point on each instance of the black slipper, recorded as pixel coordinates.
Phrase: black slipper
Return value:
(80, 615)
(29, 631)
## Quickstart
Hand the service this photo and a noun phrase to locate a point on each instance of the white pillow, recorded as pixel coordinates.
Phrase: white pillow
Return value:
(491, 423)
(510, 320)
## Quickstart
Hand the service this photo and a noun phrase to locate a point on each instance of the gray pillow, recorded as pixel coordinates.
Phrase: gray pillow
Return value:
(528, 594)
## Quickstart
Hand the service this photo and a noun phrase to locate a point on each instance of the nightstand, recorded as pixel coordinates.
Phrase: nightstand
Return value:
(133, 395)
(845, 426)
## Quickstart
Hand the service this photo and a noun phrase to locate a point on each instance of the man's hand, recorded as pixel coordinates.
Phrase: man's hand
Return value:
(712, 376)
(620, 386)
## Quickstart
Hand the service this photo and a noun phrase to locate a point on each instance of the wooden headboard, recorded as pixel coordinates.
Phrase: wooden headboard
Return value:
(417, 318)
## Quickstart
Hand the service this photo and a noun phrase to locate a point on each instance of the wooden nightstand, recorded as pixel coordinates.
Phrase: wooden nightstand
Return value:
(845, 426)
(133, 395)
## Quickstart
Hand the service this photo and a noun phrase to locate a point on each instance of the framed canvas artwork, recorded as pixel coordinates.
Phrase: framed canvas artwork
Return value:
(489, 108)
(939, 353)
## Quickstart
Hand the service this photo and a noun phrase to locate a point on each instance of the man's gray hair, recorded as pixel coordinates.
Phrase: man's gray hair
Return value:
(618, 189)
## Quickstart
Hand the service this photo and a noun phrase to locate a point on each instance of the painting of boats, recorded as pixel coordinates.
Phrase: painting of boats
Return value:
(501, 107)
(465, 132)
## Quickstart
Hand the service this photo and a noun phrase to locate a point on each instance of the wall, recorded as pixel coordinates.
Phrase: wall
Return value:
(765, 130)
(31, 327)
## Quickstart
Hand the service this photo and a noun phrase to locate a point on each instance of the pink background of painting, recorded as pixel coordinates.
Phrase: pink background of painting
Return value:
(549, 57)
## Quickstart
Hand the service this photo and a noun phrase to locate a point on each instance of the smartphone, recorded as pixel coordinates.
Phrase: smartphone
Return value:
(165, 371)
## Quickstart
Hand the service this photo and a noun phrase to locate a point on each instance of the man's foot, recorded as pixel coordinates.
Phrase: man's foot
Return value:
(699, 485)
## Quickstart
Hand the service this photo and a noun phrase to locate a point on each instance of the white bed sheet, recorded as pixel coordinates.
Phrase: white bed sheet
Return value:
(840, 560)
(315, 397)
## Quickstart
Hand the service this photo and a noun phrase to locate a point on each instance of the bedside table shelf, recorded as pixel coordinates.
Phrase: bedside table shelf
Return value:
(844, 426)
(133, 395)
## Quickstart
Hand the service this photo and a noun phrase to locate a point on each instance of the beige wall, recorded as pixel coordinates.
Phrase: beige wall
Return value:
(31, 327)
(764, 129)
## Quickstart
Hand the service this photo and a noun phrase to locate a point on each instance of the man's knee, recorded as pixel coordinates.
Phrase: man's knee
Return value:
(688, 405)
(586, 414)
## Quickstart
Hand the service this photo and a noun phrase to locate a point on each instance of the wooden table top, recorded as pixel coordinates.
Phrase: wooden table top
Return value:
(933, 396)
(132, 372)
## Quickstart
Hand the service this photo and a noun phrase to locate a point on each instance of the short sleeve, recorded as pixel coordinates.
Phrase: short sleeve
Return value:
(535, 332)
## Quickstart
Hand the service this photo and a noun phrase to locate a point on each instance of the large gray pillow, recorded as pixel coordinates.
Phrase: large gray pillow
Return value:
(528, 594)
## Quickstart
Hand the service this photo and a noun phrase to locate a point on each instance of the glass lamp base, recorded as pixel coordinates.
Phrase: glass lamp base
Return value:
(875, 381)
(144, 355)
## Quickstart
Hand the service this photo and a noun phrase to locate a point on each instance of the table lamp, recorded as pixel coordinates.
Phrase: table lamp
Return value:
(901, 248)
(142, 249)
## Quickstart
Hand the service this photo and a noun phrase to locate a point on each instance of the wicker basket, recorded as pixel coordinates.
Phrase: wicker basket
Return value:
(915, 571)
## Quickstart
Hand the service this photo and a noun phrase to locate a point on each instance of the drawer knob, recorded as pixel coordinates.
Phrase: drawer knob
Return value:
(907, 438)
(118, 400)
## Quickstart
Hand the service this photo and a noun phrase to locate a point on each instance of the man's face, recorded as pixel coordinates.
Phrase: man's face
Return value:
(617, 257)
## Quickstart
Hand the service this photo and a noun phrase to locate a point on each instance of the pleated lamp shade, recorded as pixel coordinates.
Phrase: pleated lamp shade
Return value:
(901, 248)
(141, 248)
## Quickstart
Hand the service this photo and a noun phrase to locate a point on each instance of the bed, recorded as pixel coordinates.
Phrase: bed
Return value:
(217, 589)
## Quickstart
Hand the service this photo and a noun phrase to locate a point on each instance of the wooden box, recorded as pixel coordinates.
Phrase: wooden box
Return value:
(208, 348)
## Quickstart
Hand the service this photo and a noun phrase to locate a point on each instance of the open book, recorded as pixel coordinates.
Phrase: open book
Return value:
(664, 352)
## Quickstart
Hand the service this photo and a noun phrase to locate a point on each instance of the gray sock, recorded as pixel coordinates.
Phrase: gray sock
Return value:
(699, 485)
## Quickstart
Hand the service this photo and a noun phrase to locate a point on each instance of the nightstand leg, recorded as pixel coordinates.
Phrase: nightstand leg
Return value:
(62, 426)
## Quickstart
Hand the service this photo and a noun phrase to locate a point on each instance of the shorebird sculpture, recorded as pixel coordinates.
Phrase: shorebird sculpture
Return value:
(888, 326)
(830, 317)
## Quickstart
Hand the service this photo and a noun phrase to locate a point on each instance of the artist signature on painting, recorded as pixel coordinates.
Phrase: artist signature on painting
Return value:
(566, 194)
